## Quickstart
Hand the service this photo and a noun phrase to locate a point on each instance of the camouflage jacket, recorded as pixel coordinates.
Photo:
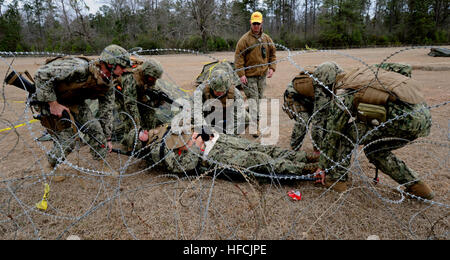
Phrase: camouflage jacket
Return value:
(75, 71)
(336, 121)
(143, 103)
(127, 99)
(413, 121)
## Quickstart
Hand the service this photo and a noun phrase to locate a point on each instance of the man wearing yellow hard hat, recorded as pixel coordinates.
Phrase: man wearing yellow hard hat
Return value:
(255, 61)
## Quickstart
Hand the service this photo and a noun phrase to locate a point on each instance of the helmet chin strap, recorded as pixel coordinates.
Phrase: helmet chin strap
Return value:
(112, 77)
(224, 94)
(105, 77)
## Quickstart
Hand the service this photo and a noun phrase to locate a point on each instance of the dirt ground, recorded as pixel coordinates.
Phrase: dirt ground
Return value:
(145, 203)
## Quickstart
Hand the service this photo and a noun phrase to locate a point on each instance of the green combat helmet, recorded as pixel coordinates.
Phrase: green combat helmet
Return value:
(153, 68)
(220, 81)
(116, 55)
(327, 72)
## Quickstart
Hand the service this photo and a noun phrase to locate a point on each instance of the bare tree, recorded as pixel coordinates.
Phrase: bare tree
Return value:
(202, 12)
(78, 6)
(306, 19)
(441, 13)
(65, 18)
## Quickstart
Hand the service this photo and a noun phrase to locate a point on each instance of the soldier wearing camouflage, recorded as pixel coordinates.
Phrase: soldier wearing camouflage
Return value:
(218, 95)
(238, 153)
(133, 97)
(65, 83)
(406, 121)
(300, 107)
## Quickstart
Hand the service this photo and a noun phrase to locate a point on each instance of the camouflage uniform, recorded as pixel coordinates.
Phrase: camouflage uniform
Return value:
(229, 150)
(409, 122)
(69, 71)
(232, 151)
(301, 111)
(220, 81)
(305, 111)
(133, 98)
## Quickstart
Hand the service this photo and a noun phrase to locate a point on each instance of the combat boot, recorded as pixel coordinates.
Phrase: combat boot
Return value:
(55, 177)
(421, 189)
(257, 134)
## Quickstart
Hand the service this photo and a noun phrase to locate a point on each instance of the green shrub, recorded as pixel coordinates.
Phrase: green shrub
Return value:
(194, 42)
(217, 43)
(441, 36)
(147, 42)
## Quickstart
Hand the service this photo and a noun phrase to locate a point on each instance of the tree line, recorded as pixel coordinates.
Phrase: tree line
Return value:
(68, 25)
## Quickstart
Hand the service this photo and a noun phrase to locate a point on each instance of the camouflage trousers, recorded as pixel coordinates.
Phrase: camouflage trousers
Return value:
(245, 154)
(127, 131)
(118, 126)
(414, 122)
(64, 141)
(255, 91)
(301, 128)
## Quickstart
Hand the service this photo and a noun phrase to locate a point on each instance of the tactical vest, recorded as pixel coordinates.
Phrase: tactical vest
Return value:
(387, 86)
(73, 92)
(143, 95)
(140, 82)
(303, 84)
(294, 104)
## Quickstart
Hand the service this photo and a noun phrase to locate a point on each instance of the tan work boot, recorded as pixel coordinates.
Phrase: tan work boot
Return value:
(55, 177)
(421, 189)
(257, 134)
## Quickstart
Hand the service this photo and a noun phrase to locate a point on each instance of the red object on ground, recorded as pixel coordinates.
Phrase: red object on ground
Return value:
(295, 195)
